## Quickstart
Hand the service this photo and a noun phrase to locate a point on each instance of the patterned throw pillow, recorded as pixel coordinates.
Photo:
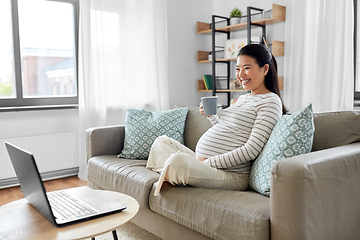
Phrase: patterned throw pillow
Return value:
(292, 135)
(143, 127)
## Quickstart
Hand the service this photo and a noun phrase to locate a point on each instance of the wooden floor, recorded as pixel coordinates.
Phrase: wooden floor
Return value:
(14, 193)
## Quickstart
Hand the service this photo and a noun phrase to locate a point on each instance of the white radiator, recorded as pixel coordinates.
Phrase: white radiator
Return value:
(52, 153)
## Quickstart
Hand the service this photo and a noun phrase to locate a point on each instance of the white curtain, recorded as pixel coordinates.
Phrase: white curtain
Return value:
(122, 62)
(319, 50)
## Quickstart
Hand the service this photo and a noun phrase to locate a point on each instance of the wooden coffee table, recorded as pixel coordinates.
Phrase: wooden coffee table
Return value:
(20, 220)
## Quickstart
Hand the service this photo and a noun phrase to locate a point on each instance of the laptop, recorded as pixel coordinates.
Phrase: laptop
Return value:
(85, 203)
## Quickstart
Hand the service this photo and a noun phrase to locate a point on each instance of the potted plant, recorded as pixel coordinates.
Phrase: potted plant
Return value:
(235, 16)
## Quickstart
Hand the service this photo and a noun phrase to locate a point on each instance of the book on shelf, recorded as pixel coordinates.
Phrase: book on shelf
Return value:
(208, 81)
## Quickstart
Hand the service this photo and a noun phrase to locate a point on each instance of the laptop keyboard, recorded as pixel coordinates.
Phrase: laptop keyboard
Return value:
(66, 207)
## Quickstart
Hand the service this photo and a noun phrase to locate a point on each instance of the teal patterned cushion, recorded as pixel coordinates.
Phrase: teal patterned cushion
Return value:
(143, 127)
(292, 135)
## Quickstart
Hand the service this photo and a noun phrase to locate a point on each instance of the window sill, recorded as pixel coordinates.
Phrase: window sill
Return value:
(38, 108)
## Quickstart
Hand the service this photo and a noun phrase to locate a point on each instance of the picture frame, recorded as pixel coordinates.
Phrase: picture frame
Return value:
(233, 46)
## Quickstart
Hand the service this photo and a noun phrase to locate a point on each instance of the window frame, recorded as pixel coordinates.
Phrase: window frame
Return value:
(19, 103)
(356, 54)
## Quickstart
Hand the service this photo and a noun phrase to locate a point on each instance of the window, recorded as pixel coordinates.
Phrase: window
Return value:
(38, 54)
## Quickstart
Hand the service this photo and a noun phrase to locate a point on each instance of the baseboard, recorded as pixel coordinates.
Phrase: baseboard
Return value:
(11, 182)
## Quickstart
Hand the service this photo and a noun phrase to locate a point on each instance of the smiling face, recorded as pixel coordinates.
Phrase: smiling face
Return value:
(251, 75)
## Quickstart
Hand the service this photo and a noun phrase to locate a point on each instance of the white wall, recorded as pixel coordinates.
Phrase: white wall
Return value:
(184, 42)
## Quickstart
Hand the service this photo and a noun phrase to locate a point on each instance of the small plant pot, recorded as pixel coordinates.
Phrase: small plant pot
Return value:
(234, 20)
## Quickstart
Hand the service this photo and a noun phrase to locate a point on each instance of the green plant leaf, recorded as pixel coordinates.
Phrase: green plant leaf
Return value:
(235, 13)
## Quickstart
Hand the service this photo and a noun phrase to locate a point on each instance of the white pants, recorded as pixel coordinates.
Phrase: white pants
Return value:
(180, 166)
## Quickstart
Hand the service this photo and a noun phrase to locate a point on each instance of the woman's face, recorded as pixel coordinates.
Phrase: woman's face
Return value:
(251, 75)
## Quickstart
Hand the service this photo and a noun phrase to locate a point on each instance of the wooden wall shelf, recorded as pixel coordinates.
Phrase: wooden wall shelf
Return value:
(278, 15)
(201, 87)
(278, 48)
(203, 56)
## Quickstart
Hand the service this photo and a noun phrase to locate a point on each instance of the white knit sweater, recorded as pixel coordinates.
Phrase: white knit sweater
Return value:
(238, 136)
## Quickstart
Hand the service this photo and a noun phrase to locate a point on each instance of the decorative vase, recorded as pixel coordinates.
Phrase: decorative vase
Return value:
(234, 20)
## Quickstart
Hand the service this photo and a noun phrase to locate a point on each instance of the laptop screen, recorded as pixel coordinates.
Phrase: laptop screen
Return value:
(30, 180)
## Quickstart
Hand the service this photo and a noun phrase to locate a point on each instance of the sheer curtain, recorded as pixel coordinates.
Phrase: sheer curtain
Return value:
(319, 49)
(122, 62)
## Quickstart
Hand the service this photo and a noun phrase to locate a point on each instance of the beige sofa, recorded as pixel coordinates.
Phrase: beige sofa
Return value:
(313, 196)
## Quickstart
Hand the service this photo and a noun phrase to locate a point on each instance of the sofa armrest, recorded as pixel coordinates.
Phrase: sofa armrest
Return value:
(104, 141)
(316, 195)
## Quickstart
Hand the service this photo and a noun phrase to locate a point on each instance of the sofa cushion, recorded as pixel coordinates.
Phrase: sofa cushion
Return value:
(123, 175)
(333, 129)
(195, 126)
(292, 135)
(142, 127)
(216, 213)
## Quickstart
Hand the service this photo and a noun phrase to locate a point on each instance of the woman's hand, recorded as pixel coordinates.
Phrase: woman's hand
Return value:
(202, 159)
(201, 109)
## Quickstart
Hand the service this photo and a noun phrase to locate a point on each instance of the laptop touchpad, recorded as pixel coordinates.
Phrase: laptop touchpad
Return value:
(102, 204)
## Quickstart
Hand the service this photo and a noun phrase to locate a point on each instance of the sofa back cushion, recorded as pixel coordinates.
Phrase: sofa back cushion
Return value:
(333, 129)
(195, 126)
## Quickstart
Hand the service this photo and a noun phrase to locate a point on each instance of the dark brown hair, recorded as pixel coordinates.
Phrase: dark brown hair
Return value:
(263, 56)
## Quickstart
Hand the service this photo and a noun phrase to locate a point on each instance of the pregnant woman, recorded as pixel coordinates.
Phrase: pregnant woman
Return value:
(225, 152)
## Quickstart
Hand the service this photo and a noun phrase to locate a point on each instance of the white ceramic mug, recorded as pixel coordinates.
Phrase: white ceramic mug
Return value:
(209, 105)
